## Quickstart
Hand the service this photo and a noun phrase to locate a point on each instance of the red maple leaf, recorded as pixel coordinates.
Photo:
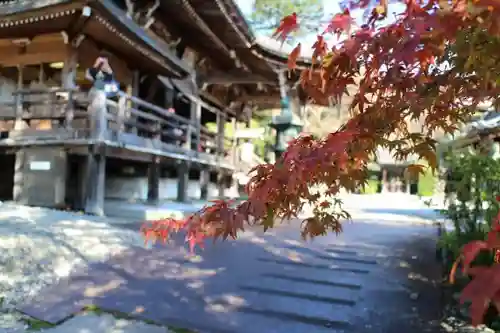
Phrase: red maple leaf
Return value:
(470, 252)
(287, 25)
(340, 23)
(292, 58)
(319, 49)
(481, 291)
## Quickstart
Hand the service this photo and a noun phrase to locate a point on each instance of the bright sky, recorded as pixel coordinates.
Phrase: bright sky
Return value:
(331, 7)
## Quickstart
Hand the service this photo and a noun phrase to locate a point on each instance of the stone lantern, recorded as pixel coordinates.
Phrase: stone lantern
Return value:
(287, 126)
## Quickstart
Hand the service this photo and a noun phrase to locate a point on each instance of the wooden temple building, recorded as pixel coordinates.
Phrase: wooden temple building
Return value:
(60, 144)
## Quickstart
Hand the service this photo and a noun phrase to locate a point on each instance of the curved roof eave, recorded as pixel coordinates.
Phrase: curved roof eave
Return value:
(273, 47)
(258, 45)
(174, 62)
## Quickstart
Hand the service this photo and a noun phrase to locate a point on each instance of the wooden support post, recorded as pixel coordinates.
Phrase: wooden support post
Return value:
(95, 182)
(169, 98)
(189, 137)
(68, 76)
(41, 75)
(95, 173)
(247, 112)
(384, 180)
(221, 184)
(81, 173)
(133, 90)
(154, 170)
(169, 103)
(204, 181)
(183, 181)
(98, 110)
(121, 115)
(234, 148)
(408, 180)
(221, 126)
(195, 113)
(19, 99)
(157, 130)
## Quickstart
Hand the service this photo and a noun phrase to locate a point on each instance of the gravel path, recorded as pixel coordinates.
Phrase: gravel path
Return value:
(39, 246)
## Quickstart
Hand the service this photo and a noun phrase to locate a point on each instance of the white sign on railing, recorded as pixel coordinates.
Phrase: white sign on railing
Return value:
(40, 165)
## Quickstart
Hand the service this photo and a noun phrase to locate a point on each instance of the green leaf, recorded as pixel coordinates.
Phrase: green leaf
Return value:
(268, 220)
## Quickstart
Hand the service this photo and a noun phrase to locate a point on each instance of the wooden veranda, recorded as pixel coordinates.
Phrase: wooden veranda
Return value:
(49, 122)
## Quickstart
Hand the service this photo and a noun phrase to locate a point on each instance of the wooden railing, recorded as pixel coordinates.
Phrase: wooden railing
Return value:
(43, 109)
(93, 116)
(131, 115)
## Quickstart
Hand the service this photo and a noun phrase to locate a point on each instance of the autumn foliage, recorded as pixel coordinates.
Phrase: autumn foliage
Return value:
(484, 287)
(434, 63)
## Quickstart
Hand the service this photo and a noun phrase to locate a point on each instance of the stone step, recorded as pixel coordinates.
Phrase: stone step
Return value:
(275, 309)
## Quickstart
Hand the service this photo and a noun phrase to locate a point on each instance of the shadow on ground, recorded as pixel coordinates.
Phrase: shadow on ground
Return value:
(372, 278)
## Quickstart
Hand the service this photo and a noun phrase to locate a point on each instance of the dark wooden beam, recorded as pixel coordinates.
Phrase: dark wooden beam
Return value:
(153, 89)
(221, 184)
(154, 169)
(204, 181)
(183, 180)
(95, 178)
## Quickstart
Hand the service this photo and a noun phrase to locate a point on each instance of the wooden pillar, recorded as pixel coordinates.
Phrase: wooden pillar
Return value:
(68, 77)
(221, 146)
(221, 126)
(169, 98)
(81, 193)
(248, 112)
(19, 99)
(195, 115)
(234, 148)
(408, 180)
(98, 111)
(133, 90)
(95, 172)
(41, 75)
(384, 180)
(154, 170)
(123, 109)
(95, 182)
(204, 181)
(183, 180)
(68, 74)
(221, 184)
(169, 103)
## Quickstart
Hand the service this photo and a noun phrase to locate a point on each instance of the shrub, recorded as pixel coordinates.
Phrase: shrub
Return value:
(426, 183)
(371, 187)
(472, 183)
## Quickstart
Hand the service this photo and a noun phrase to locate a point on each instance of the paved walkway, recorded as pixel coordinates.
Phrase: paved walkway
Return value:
(376, 277)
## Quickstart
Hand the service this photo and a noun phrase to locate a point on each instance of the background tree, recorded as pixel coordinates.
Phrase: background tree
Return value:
(267, 14)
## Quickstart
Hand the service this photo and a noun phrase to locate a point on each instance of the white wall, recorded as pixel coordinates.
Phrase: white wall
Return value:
(137, 188)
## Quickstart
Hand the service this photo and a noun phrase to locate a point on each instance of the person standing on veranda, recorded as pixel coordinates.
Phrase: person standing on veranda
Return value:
(102, 77)
(104, 87)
